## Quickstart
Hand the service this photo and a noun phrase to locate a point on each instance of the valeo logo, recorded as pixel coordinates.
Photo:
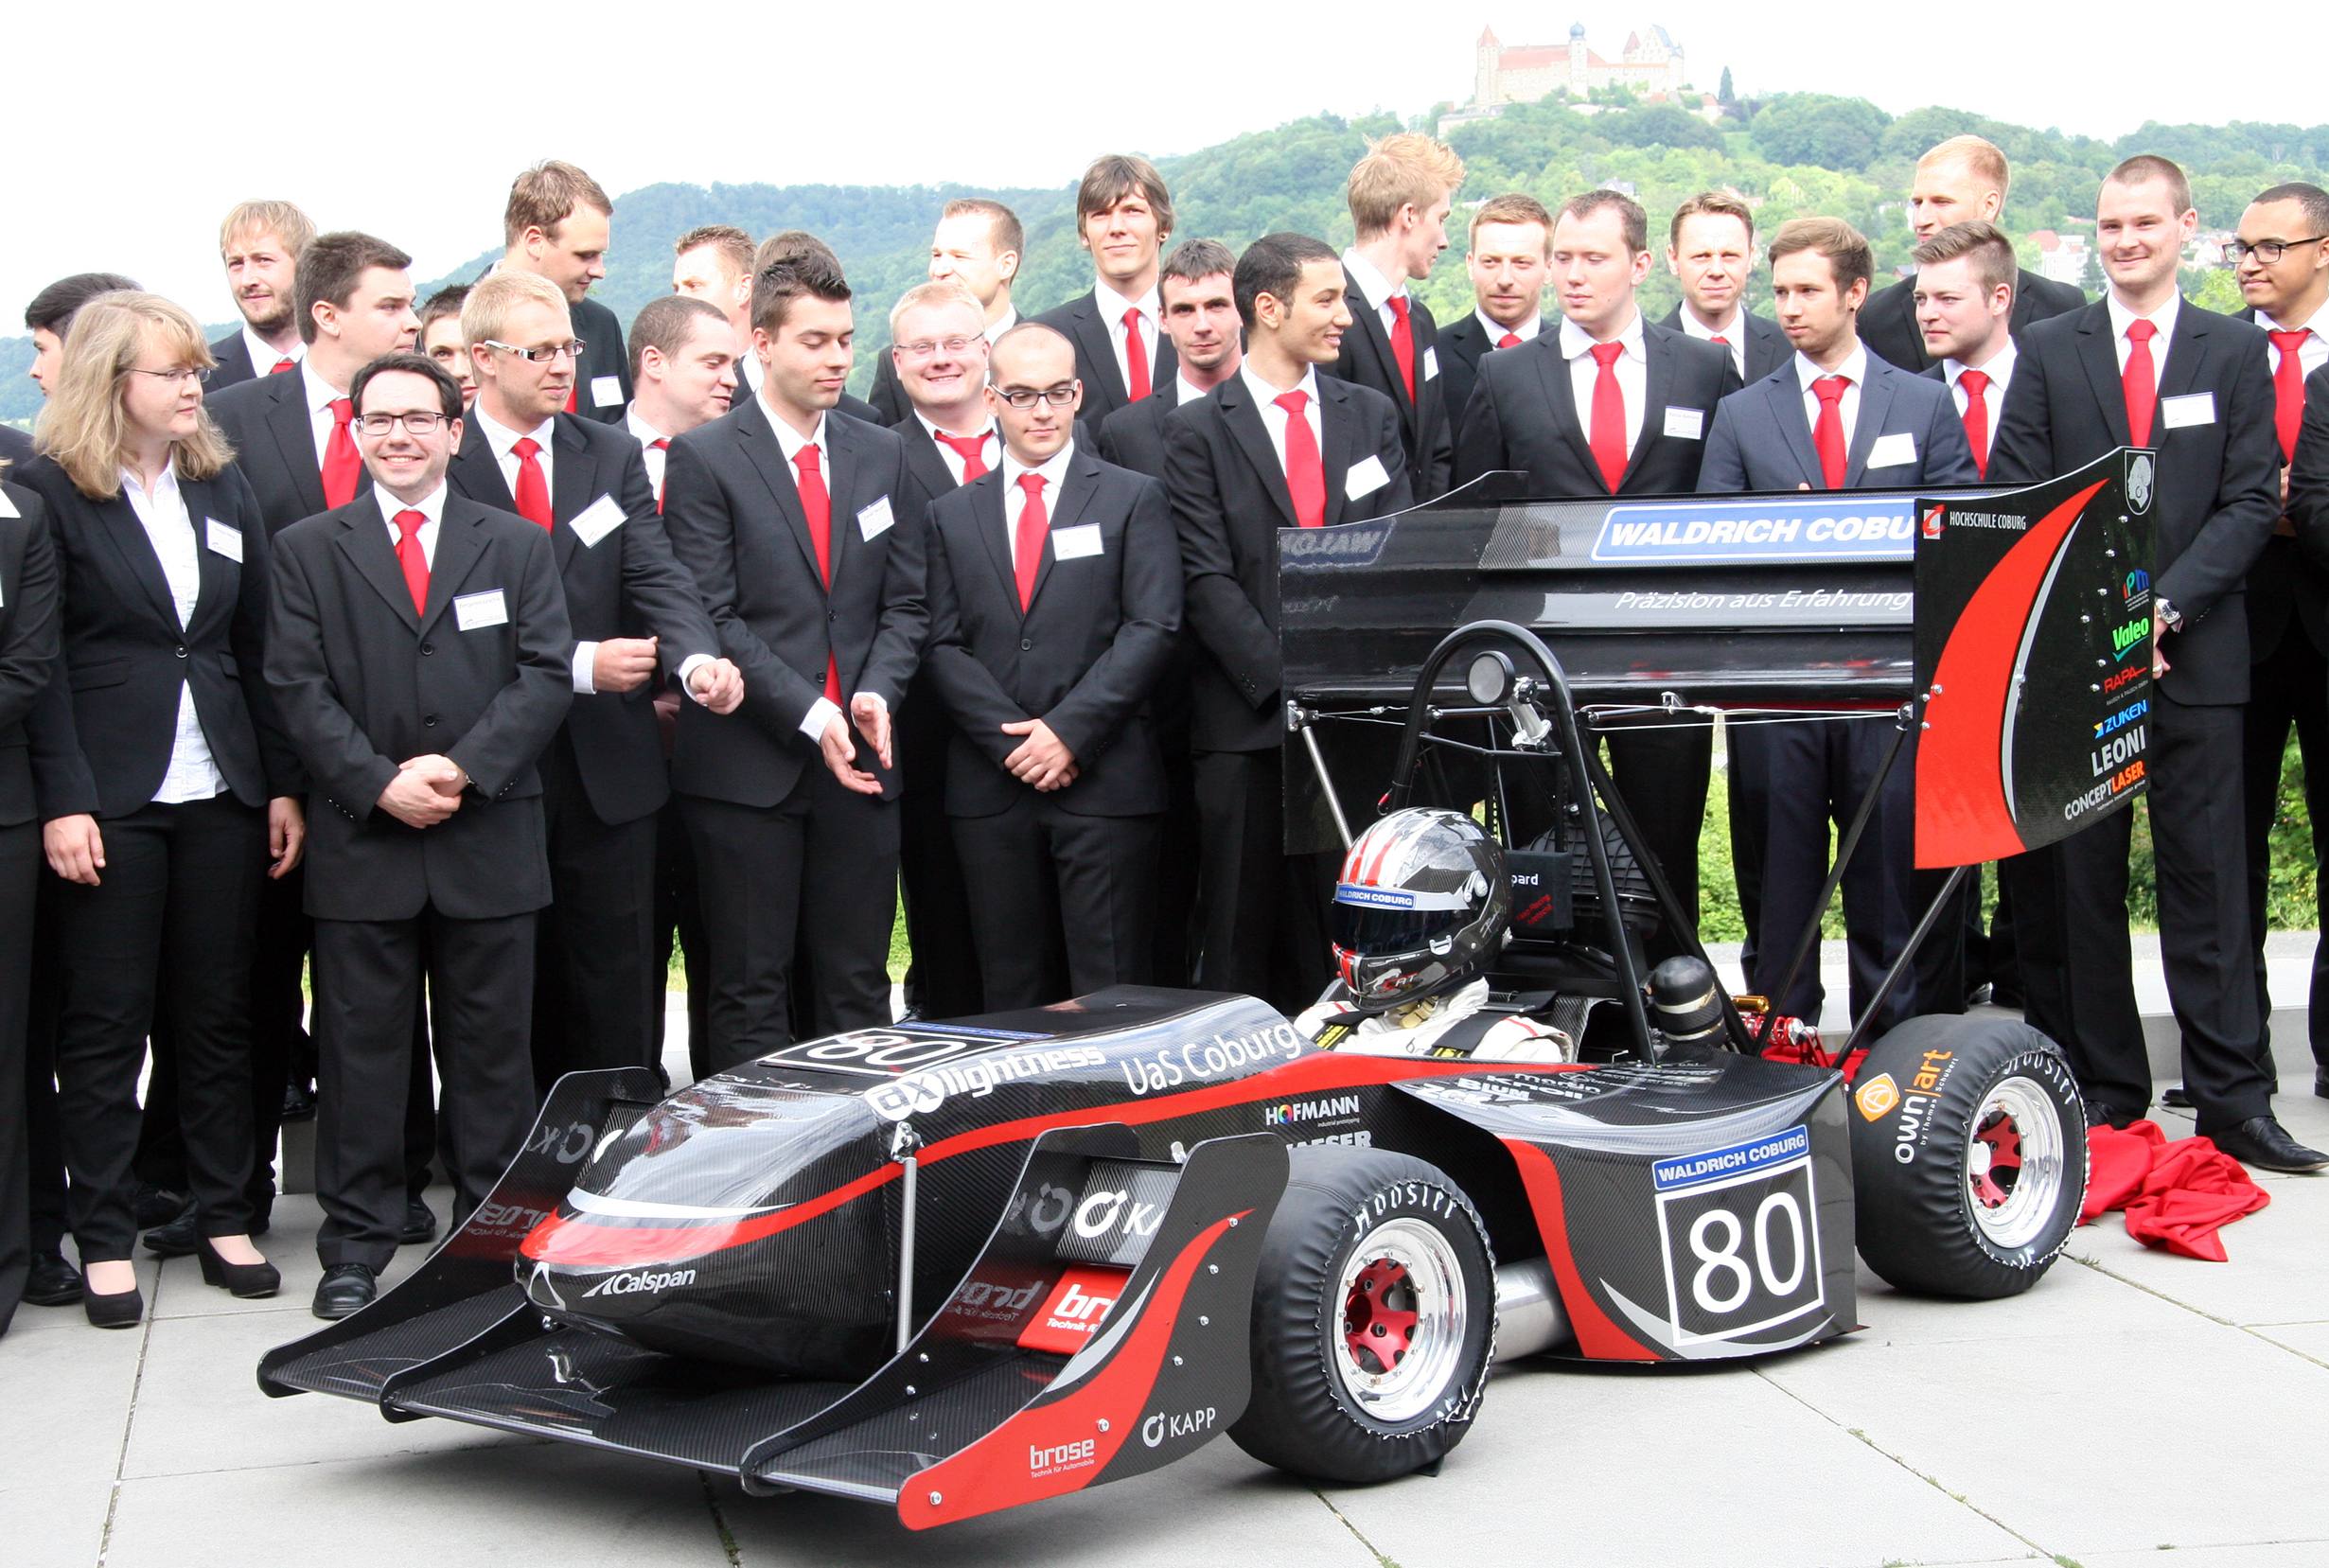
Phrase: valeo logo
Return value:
(1877, 1096)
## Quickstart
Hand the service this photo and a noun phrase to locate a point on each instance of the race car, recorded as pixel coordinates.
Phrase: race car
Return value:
(951, 1267)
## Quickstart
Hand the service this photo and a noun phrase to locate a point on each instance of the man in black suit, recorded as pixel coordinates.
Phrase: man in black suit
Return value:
(1834, 419)
(260, 244)
(790, 249)
(419, 653)
(1612, 406)
(2283, 267)
(976, 244)
(440, 337)
(50, 316)
(1276, 446)
(557, 223)
(1710, 250)
(714, 263)
(1123, 216)
(1963, 178)
(804, 530)
(1400, 195)
(1055, 598)
(1508, 261)
(2144, 367)
(636, 615)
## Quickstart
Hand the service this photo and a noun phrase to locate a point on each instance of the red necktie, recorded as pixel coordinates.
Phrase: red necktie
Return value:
(1034, 527)
(1828, 435)
(533, 490)
(2138, 381)
(1510, 340)
(2288, 388)
(342, 467)
(816, 508)
(1976, 418)
(413, 559)
(1135, 356)
(660, 444)
(1305, 473)
(284, 364)
(1608, 435)
(971, 449)
(1721, 339)
(1403, 343)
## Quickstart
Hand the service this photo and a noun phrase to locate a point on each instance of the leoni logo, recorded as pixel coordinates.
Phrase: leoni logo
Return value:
(642, 1283)
(1877, 1096)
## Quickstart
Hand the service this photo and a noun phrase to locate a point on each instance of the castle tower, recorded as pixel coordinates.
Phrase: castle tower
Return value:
(1485, 56)
(1579, 82)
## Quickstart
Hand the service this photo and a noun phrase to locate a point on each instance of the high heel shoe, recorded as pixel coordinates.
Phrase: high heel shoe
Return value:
(121, 1310)
(250, 1282)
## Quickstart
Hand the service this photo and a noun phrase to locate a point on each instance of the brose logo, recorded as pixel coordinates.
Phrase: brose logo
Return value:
(643, 1282)
(1877, 1096)
(1160, 1425)
(1051, 1461)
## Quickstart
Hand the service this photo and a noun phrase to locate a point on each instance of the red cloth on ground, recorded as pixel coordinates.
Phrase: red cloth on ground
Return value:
(2177, 1195)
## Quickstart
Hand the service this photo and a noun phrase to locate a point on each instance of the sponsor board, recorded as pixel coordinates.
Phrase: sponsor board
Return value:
(1842, 526)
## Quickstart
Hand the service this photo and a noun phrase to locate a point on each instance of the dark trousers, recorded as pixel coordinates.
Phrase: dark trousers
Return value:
(1810, 775)
(1262, 911)
(679, 917)
(42, 1141)
(820, 866)
(177, 899)
(1173, 938)
(369, 978)
(598, 983)
(1065, 900)
(1661, 763)
(20, 868)
(2070, 914)
(2288, 687)
(943, 981)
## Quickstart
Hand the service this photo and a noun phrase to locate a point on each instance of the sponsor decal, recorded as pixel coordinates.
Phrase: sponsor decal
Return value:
(2012, 522)
(1161, 1424)
(1670, 1175)
(1220, 1057)
(2124, 716)
(565, 1144)
(1338, 1108)
(1917, 1100)
(1120, 1210)
(920, 1092)
(2135, 589)
(507, 1219)
(1408, 898)
(1350, 544)
(2126, 639)
(1064, 1456)
(1711, 529)
(994, 1308)
(1073, 1313)
(1933, 523)
(2104, 793)
(1740, 1237)
(2117, 752)
(641, 1282)
(2118, 678)
(2139, 484)
(1877, 1096)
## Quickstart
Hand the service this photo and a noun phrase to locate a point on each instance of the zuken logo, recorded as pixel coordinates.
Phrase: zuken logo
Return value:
(1159, 1426)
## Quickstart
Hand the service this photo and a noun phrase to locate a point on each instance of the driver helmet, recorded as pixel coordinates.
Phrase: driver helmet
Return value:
(1422, 900)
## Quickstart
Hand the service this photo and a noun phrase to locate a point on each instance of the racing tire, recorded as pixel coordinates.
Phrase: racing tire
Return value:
(1368, 1249)
(1969, 1156)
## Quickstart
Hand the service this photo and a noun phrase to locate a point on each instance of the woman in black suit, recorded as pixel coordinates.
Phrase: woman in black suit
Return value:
(165, 785)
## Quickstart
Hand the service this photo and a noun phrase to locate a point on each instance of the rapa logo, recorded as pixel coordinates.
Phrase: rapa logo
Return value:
(642, 1283)
(1159, 1426)
(1877, 1096)
(1051, 1461)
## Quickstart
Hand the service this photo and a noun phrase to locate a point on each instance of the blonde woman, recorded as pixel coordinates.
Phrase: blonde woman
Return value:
(165, 789)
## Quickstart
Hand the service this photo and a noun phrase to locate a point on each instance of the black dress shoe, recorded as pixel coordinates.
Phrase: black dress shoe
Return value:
(2002, 995)
(344, 1289)
(178, 1239)
(122, 1310)
(52, 1283)
(419, 1225)
(2321, 1083)
(298, 1102)
(2262, 1141)
(2177, 1098)
(2100, 1115)
(250, 1282)
(151, 1206)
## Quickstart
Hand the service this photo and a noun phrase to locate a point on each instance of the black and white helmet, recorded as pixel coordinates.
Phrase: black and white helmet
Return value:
(1424, 899)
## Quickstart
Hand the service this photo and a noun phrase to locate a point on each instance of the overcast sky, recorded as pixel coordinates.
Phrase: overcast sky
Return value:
(132, 126)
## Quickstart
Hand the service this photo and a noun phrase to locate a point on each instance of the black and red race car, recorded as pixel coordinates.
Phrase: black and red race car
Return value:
(951, 1267)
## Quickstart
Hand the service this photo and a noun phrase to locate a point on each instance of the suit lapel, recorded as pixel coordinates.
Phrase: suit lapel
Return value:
(479, 471)
(760, 444)
(363, 537)
(1099, 345)
(1657, 386)
(1876, 402)
(2099, 353)
(130, 541)
(1253, 437)
(845, 491)
(1075, 493)
(215, 596)
(1553, 373)
(459, 543)
(294, 438)
(1367, 319)
(1335, 444)
(1785, 399)
(992, 510)
(573, 484)
(2185, 352)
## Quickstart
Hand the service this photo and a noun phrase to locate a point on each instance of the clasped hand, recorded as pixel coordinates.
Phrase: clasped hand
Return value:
(425, 791)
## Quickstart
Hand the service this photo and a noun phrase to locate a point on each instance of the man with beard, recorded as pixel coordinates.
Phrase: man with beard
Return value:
(260, 242)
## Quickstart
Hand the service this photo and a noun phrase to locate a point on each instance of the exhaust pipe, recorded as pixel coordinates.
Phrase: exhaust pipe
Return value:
(1530, 1318)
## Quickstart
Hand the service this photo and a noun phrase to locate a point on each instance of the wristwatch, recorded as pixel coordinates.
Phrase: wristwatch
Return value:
(2169, 613)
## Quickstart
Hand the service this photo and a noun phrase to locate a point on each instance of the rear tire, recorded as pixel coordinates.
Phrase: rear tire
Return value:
(1374, 1319)
(1969, 1156)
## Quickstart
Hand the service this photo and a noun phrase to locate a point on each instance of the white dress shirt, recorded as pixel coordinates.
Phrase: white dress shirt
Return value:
(990, 448)
(1274, 418)
(1009, 319)
(1631, 370)
(1112, 306)
(1055, 474)
(2001, 371)
(790, 441)
(750, 369)
(1378, 290)
(320, 398)
(647, 436)
(1854, 370)
(431, 506)
(192, 774)
(2164, 318)
(1734, 334)
(266, 356)
(504, 441)
(1526, 331)
(2312, 354)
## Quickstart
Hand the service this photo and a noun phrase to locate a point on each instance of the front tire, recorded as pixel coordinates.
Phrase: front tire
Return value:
(1374, 1319)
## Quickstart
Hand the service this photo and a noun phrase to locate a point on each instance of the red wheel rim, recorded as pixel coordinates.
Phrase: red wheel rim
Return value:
(1379, 1318)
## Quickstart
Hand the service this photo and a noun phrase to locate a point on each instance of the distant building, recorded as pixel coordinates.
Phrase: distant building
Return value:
(1651, 62)
(2061, 256)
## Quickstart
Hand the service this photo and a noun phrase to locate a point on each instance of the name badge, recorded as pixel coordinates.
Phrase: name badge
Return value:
(605, 392)
(1892, 450)
(2198, 408)
(1367, 476)
(1431, 363)
(1685, 424)
(472, 611)
(7, 507)
(596, 520)
(875, 521)
(226, 541)
(1069, 544)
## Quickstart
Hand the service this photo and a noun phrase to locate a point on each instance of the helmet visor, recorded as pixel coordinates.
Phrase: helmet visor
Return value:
(1374, 922)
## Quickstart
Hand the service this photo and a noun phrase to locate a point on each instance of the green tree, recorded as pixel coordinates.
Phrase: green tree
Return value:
(1723, 94)
(1813, 127)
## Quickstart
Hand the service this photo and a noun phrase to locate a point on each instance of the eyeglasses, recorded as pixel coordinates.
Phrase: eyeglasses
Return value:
(927, 346)
(198, 374)
(1020, 397)
(416, 423)
(2267, 250)
(539, 356)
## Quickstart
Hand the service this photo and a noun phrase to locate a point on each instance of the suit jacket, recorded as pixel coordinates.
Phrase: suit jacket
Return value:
(1461, 348)
(1762, 438)
(1097, 633)
(2284, 586)
(267, 421)
(2219, 490)
(889, 403)
(15, 447)
(1426, 422)
(1524, 415)
(364, 682)
(28, 642)
(233, 352)
(1888, 321)
(1229, 500)
(626, 584)
(733, 513)
(1766, 344)
(1095, 345)
(107, 722)
(604, 359)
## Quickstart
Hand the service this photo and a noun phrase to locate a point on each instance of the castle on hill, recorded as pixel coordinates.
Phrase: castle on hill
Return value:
(1651, 62)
